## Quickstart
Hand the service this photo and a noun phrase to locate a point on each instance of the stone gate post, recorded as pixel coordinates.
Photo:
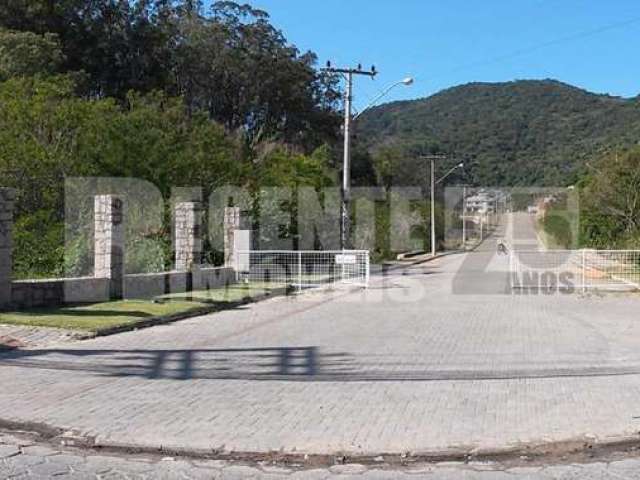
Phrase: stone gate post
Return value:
(109, 242)
(188, 235)
(231, 223)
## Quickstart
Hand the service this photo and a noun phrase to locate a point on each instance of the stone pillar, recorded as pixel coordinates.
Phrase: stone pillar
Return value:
(7, 198)
(231, 223)
(188, 235)
(109, 242)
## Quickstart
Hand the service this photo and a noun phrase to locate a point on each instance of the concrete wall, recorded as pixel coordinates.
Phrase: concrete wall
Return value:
(149, 285)
(60, 291)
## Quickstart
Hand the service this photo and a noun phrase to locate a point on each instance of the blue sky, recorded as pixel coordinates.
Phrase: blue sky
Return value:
(589, 43)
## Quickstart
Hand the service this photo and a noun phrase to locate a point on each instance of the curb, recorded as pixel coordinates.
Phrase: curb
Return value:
(576, 450)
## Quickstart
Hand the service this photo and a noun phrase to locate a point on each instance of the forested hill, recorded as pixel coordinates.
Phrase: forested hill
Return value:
(529, 132)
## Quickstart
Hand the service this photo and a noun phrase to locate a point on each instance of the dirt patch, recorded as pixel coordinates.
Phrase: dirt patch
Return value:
(9, 343)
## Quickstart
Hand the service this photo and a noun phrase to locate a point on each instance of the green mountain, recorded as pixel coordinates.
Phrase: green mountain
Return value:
(527, 132)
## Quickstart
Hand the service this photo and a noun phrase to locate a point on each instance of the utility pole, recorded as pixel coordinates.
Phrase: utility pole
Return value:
(433, 159)
(464, 217)
(348, 74)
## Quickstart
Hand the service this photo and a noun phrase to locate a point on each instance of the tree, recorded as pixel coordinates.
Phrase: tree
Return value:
(231, 63)
(386, 161)
(47, 134)
(28, 54)
(157, 90)
(610, 202)
(120, 45)
(237, 67)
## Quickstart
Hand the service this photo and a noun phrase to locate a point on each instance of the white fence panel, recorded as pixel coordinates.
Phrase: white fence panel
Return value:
(304, 268)
(612, 270)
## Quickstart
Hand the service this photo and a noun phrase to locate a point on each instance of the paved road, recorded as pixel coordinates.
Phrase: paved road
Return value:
(521, 233)
(431, 358)
(21, 458)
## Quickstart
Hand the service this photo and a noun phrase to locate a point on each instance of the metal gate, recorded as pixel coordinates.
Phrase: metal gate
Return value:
(304, 268)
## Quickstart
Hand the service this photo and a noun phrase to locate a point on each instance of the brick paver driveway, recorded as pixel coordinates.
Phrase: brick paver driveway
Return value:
(431, 357)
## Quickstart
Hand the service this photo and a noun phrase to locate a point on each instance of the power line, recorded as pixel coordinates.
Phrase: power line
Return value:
(550, 43)
(533, 48)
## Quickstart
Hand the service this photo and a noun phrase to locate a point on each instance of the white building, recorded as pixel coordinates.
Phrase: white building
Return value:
(481, 203)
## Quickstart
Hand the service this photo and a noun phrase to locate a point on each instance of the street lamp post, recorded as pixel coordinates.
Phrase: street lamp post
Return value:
(433, 205)
(433, 159)
(348, 74)
(464, 217)
(346, 175)
(346, 166)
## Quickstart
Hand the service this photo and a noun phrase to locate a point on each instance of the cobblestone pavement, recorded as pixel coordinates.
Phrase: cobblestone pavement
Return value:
(22, 458)
(423, 360)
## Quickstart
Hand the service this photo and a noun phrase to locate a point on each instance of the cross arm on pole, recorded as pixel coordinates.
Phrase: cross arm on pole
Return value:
(351, 71)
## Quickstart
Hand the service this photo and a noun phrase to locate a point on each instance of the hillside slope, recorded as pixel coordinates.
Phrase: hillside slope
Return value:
(527, 132)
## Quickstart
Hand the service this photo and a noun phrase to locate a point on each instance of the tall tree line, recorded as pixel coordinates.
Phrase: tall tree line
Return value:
(158, 90)
(228, 61)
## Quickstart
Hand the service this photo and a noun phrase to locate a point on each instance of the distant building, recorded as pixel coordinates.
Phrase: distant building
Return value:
(481, 203)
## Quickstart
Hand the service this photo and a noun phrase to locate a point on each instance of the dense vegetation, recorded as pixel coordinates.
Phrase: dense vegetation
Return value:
(229, 61)
(610, 202)
(171, 93)
(522, 133)
(156, 90)
(607, 215)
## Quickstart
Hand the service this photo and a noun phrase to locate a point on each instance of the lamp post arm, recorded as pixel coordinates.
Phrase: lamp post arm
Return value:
(447, 174)
(375, 100)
